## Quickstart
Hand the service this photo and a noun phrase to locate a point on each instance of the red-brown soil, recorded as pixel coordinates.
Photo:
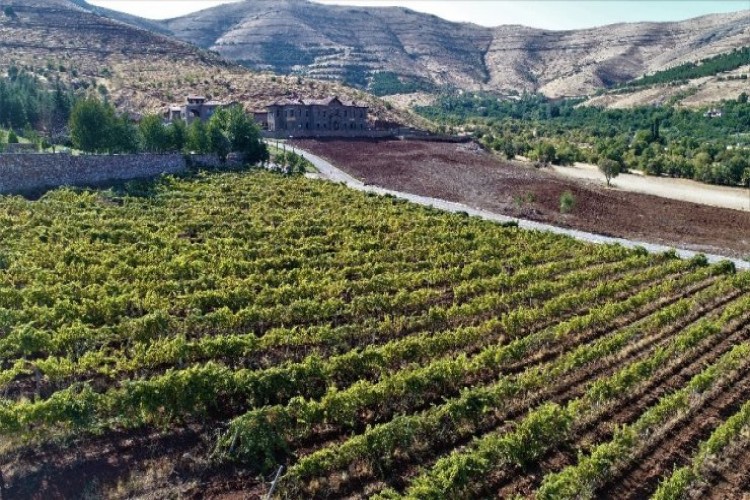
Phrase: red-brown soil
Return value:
(464, 173)
(727, 475)
(568, 387)
(144, 462)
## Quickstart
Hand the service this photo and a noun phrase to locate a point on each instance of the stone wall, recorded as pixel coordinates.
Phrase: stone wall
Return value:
(27, 173)
(404, 133)
(313, 134)
(21, 147)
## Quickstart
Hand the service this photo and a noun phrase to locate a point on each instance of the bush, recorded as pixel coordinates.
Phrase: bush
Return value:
(567, 202)
(12, 137)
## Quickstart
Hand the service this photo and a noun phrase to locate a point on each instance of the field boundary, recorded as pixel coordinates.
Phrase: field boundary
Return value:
(22, 173)
(330, 172)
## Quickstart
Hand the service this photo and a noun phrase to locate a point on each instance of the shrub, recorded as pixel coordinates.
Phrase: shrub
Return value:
(12, 137)
(567, 202)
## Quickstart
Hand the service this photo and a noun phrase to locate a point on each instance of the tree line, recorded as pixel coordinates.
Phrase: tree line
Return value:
(57, 116)
(25, 103)
(95, 127)
(706, 67)
(661, 140)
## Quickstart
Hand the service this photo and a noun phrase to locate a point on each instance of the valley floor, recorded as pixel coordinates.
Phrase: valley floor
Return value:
(462, 173)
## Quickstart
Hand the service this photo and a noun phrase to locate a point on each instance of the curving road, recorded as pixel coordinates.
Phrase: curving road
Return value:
(331, 173)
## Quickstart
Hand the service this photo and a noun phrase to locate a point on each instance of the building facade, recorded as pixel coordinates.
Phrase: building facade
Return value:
(308, 117)
(196, 108)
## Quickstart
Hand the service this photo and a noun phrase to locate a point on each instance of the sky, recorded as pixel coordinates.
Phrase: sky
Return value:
(548, 14)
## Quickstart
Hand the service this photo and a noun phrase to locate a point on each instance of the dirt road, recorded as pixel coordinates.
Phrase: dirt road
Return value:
(675, 189)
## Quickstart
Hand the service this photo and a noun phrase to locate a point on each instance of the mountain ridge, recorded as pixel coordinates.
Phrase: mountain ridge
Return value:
(355, 43)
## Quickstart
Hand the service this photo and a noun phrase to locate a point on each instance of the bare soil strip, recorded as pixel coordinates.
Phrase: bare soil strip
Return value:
(461, 174)
(729, 474)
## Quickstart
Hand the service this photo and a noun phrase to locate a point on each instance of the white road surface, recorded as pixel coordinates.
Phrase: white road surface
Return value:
(331, 173)
(677, 189)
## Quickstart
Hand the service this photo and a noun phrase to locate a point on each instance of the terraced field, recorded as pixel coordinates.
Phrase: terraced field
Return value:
(194, 335)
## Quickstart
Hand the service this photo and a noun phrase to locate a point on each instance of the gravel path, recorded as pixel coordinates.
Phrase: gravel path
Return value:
(331, 173)
(676, 189)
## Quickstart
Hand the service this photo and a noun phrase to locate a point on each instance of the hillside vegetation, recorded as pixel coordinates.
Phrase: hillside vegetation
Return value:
(692, 84)
(141, 71)
(664, 140)
(692, 70)
(194, 333)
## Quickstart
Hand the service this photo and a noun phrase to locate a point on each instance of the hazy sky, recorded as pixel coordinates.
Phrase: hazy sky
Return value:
(550, 14)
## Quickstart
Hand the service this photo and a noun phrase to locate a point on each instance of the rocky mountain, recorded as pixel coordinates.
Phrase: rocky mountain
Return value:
(122, 58)
(396, 50)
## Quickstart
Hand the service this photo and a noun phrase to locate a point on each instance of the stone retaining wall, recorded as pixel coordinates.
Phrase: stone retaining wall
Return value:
(408, 134)
(27, 173)
(316, 134)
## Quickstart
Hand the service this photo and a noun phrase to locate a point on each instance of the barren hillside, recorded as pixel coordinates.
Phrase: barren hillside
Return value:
(354, 43)
(142, 71)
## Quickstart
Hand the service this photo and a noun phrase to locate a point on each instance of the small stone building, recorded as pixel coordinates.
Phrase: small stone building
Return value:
(196, 108)
(308, 117)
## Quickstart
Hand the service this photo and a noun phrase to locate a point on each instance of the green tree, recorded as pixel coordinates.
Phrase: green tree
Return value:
(231, 129)
(90, 125)
(567, 155)
(123, 136)
(197, 138)
(217, 139)
(742, 99)
(545, 152)
(155, 137)
(737, 165)
(178, 135)
(95, 127)
(610, 169)
(12, 137)
(244, 136)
